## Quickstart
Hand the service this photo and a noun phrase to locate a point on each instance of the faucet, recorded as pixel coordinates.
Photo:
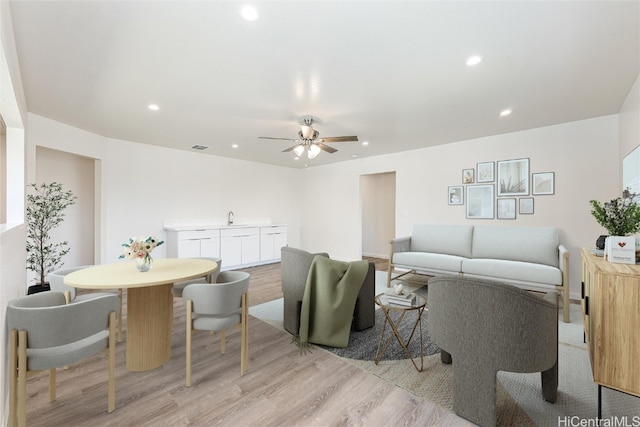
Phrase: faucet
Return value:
(230, 218)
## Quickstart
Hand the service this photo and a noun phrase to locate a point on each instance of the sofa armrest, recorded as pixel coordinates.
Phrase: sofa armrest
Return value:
(563, 264)
(400, 244)
(563, 258)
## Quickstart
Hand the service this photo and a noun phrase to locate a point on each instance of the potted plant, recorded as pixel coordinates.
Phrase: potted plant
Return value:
(45, 211)
(620, 216)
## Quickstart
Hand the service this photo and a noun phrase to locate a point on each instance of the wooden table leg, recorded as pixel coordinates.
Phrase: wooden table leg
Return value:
(148, 327)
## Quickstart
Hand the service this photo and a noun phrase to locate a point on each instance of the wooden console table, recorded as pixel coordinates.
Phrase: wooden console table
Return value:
(611, 316)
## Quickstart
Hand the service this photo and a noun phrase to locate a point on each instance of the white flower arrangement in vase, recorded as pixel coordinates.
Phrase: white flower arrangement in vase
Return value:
(140, 248)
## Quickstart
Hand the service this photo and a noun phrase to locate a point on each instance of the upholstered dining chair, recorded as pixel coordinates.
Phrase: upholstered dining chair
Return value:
(178, 288)
(45, 333)
(56, 283)
(218, 307)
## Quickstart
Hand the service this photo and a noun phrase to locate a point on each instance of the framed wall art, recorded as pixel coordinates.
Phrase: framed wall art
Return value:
(543, 183)
(507, 208)
(467, 176)
(513, 177)
(456, 195)
(485, 172)
(480, 201)
(526, 206)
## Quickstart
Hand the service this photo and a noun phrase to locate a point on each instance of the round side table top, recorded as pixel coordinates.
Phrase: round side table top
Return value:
(382, 301)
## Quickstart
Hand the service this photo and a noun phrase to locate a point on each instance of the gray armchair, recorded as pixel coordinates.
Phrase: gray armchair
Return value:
(178, 287)
(46, 333)
(484, 327)
(295, 265)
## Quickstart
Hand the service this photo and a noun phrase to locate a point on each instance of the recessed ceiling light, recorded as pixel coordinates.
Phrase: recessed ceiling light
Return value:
(354, 156)
(249, 13)
(506, 112)
(365, 142)
(474, 60)
(154, 107)
(234, 145)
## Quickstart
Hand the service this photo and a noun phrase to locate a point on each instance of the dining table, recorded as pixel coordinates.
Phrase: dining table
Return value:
(149, 302)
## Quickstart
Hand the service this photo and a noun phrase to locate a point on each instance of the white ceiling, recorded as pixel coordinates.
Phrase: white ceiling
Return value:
(391, 72)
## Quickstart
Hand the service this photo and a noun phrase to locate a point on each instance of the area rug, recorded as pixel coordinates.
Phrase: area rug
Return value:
(519, 399)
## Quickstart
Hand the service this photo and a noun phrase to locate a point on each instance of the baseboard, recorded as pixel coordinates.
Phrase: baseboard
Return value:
(376, 255)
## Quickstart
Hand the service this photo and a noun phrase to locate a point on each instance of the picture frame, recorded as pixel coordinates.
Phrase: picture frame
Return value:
(456, 195)
(467, 176)
(525, 206)
(506, 208)
(513, 177)
(543, 183)
(480, 201)
(485, 172)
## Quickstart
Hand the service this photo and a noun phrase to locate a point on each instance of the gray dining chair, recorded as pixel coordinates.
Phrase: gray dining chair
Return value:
(218, 307)
(45, 333)
(56, 283)
(178, 288)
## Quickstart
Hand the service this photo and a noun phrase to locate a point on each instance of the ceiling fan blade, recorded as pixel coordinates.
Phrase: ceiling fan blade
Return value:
(284, 139)
(339, 139)
(326, 148)
(290, 148)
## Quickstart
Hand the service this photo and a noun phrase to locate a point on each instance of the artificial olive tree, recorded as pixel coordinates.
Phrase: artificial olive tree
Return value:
(45, 211)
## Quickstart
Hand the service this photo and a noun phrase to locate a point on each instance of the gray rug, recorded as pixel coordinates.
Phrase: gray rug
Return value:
(363, 345)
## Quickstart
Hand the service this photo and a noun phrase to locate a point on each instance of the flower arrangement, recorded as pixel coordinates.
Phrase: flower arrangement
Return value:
(140, 248)
(620, 216)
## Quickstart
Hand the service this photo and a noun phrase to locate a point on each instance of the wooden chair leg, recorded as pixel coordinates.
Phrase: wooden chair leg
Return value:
(223, 342)
(188, 344)
(22, 379)
(13, 377)
(52, 384)
(244, 344)
(120, 317)
(111, 399)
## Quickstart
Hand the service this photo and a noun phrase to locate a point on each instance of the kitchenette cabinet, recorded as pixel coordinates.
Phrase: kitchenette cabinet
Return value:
(238, 246)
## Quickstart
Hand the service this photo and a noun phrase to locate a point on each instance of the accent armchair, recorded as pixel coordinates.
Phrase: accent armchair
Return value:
(484, 327)
(46, 333)
(295, 265)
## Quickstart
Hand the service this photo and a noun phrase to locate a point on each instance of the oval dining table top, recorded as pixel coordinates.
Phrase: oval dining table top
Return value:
(125, 274)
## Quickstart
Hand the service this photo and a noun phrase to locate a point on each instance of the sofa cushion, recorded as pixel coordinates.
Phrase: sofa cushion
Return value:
(512, 270)
(527, 244)
(442, 239)
(428, 261)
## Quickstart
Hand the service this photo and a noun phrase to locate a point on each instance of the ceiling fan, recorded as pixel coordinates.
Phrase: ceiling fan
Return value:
(308, 140)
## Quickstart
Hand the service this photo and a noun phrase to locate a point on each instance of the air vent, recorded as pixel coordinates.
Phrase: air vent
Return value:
(199, 147)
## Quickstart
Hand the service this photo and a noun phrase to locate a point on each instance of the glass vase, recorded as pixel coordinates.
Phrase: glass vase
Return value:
(144, 263)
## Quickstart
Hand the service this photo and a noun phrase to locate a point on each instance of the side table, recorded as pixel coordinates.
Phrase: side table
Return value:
(387, 307)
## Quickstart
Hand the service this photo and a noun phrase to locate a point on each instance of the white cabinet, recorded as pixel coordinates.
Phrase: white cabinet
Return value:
(272, 238)
(239, 246)
(193, 244)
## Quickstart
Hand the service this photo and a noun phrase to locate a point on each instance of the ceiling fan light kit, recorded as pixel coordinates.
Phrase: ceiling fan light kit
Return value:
(308, 139)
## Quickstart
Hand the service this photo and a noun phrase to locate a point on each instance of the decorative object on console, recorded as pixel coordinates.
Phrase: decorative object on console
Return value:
(619, 216)
(140, 248)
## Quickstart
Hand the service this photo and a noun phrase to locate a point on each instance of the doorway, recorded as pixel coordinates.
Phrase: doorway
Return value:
(378, 200)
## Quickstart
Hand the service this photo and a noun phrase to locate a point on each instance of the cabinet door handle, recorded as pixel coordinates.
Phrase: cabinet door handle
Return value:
(586, 305)
(582, 290)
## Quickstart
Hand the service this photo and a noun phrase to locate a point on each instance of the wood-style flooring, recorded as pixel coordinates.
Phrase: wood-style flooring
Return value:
(281, 388)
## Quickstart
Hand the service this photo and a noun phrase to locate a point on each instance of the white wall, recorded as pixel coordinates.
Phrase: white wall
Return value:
(584, 156)
(630, 121)
(141, 185)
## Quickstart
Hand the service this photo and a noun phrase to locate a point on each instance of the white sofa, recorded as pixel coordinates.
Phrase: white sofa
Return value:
(528, 257)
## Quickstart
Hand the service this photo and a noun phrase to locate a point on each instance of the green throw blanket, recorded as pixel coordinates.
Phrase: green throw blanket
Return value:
(328, 302)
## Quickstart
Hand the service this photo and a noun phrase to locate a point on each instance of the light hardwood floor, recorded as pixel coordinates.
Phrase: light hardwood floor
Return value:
(281, 388)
